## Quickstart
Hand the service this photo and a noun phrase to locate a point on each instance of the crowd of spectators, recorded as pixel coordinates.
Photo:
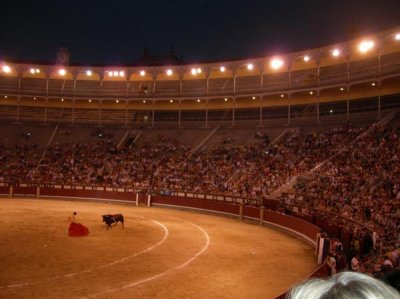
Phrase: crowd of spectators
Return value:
(358, 190)
(253, 170)
(357, 187)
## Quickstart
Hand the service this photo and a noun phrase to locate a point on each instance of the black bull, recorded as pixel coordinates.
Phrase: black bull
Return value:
(110, 219)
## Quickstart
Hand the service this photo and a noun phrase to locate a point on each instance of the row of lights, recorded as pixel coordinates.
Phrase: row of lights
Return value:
(225, 99)
(198, 100)
(276, 63)
(363, 47)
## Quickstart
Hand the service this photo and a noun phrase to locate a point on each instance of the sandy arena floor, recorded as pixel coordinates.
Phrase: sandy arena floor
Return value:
(161, 253)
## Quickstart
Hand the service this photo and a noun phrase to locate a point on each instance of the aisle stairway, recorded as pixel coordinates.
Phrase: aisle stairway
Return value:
(310, 175)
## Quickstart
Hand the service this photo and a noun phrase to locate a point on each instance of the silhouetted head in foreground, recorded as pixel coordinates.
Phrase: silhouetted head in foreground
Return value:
(344, 285)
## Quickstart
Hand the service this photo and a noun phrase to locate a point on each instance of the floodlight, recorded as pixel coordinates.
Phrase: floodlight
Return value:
(276, 63)
(142, 73)
(365, 46)
(6, 69)
(336, 52)
(250, 66)
(62, 72)
(169, 72)
(222, 69)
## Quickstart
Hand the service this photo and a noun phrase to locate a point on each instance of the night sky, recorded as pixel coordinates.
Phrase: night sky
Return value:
(115, 32)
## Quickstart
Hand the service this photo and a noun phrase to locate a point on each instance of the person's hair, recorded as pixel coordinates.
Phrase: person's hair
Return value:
(74, 213)
(344, 285)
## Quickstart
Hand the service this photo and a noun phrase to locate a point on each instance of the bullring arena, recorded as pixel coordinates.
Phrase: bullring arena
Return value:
(159, 253)
(226, 172)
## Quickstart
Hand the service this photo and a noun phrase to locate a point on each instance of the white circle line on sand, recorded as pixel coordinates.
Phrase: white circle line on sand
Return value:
(164, 238)
(135, 283)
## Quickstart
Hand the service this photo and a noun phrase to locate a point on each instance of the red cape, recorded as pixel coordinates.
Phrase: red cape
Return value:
(77, 230)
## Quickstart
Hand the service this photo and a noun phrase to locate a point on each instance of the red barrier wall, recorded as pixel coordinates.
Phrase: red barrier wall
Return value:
(89, 194)
(25, 190)
(252, 212)
(196, 203)
(301, 226)
(4, 190)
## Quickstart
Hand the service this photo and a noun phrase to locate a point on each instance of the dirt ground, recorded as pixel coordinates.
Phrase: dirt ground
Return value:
(161, 253)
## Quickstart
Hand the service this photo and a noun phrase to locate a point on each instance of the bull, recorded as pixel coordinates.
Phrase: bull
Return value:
(110, 219)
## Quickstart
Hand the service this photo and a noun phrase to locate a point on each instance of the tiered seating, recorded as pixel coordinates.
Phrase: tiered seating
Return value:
(358, 190)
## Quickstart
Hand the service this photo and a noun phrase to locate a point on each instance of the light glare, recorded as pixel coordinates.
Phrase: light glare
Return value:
(222, 69)
(365, 46)
(169, 73)
(6, 69)
(142, 73)
(250, 66)
(336, 52)
(62, 72)
(276, 63)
